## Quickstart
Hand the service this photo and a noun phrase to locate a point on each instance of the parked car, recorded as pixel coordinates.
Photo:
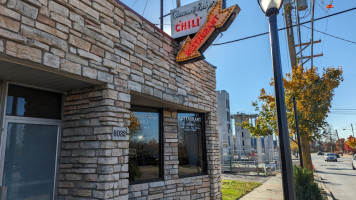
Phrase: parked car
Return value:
(330, 157)
(354, 162)
(320, 153)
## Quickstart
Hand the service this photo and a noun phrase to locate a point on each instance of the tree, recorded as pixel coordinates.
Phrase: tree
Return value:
(294, 147)
(313, 93)
(340, 145)
(134, 126)
(351, 142)
(347, 148)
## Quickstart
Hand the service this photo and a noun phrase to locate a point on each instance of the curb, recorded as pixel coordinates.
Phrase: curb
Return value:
(329, 195)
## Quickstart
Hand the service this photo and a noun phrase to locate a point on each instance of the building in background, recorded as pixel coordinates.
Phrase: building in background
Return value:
(224, 120)
(246, 144)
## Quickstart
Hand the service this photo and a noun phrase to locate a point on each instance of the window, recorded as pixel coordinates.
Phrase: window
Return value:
(191, 144)
(227, 103)
(228, 116)
(228, 139)
(145, 146)
(29, 102)
(243, 143)
(242, 134)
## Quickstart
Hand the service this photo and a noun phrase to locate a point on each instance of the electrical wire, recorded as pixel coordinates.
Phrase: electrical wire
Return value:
(320, 6)
(144, 9)
(265, 33)
(133, 4)
(343, 109)
(346, 40)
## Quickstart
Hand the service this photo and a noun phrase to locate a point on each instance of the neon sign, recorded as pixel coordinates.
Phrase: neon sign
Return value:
(191, 23)
(218, 20)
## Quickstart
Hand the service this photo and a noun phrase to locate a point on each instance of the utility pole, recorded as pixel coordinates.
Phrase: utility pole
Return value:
(337, 134)
(290, 37)
(352, 128)
(312, 34)
(178, 3)
(298, 134)
(331, 142)
(290, 33)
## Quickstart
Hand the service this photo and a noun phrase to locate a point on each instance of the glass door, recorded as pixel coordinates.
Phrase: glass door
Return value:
(29, 143)
(29, 167)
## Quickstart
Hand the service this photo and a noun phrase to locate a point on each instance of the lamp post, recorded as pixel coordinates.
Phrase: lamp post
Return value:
(271, 9)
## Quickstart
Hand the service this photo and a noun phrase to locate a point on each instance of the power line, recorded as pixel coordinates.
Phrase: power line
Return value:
(144, 9)
(330, 35)
(343, 109)
(133, 4)
(265, 33)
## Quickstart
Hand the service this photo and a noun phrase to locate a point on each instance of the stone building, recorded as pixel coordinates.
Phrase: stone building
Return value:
(244, 139)
(246, 143)
(224, 123)
(74, 75)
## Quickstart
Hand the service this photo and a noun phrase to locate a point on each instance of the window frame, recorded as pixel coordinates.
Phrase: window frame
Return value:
(7, 85)
(137, 108)
(204, 151)
(4, 119)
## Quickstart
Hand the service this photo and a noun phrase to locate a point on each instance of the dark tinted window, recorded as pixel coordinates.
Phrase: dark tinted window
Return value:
(144, 149)
(28, 102)
(190, 144)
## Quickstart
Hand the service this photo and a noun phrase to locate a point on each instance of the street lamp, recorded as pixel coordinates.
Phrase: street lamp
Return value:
(271, 9)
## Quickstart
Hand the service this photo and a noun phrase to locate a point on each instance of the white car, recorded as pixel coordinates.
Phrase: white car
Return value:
(354, 162)
(330, 157)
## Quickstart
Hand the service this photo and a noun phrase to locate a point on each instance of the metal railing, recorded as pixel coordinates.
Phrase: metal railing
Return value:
(248, 161)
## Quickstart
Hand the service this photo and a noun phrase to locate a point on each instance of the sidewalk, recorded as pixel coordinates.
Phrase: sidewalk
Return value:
(270, 190)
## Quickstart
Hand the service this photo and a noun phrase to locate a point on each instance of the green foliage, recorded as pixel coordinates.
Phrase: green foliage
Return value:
(305, 187)
(232, 190)
(265, 123)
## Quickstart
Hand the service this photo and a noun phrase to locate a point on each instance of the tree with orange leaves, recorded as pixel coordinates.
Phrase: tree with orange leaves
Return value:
(351, 142)
(313, 93)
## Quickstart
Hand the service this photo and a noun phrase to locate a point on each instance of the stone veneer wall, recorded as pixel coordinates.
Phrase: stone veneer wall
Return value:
(103, 40)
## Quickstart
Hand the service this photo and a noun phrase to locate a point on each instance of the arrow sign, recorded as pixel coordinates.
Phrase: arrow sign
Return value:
(218, 20)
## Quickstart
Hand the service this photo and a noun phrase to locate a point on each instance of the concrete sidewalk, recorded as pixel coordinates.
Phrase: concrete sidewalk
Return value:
(271, 190)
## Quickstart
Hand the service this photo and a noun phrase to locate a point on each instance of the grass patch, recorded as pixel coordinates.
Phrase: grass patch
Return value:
(232, 190)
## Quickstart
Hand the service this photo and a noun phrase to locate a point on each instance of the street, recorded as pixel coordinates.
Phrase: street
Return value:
(338, 177)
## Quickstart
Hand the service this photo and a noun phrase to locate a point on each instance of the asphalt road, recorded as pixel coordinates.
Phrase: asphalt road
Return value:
(338, 176)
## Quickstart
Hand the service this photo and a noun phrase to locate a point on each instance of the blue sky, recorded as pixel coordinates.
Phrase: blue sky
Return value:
(243, 68)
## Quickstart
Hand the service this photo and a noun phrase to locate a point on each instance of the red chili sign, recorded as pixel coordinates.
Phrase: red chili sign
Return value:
(181, 26)
(218, 20)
